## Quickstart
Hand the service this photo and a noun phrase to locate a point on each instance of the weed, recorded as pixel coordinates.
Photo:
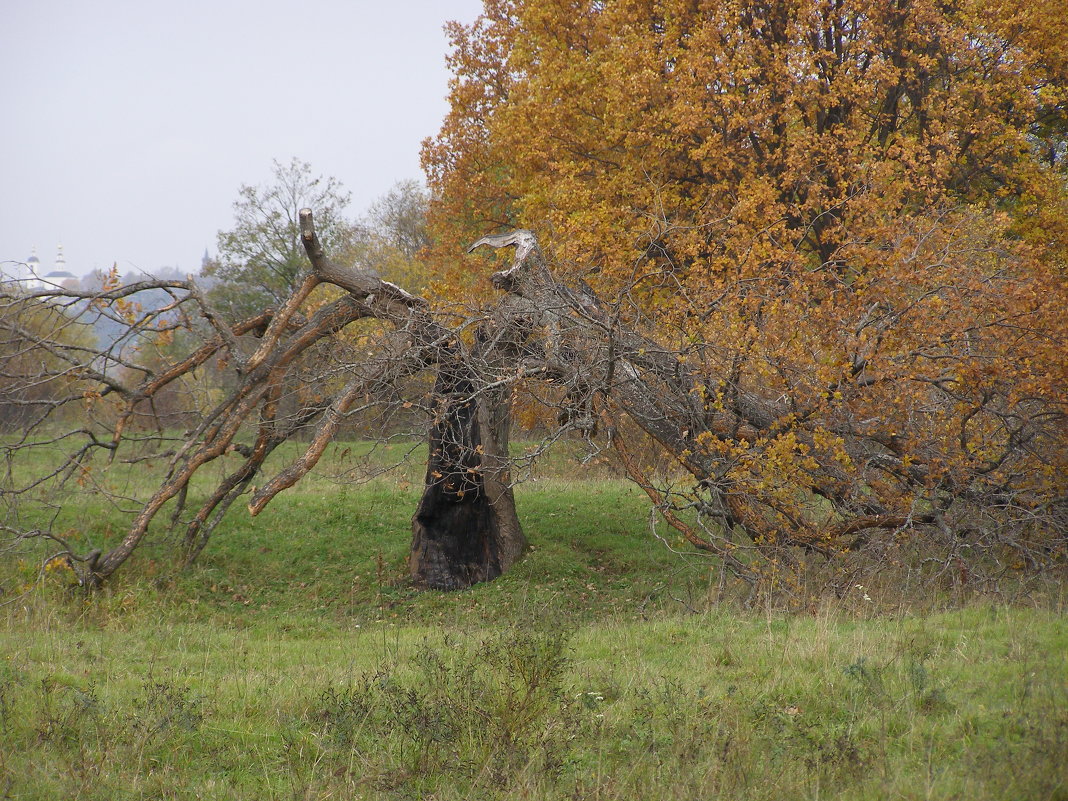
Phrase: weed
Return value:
(867, 676)
(479, 714)
(70, 723)
(164, 705)
(927, 699)
(7, 687)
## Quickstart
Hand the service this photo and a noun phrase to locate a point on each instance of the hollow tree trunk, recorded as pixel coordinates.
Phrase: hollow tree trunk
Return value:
(465, 529)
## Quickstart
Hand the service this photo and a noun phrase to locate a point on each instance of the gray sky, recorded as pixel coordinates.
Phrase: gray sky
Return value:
(128, 125)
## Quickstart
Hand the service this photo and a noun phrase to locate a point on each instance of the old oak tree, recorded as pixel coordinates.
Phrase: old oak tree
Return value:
(814, 251)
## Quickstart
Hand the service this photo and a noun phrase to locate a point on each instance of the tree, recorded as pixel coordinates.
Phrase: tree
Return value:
(716, 121)
(392, 236)
(808, 250)
(466, 528)
(838, 220)
(35, 379)
(261, 259)
(399, 219)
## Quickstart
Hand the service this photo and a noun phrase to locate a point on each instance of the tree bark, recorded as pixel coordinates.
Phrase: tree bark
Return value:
(466, 528)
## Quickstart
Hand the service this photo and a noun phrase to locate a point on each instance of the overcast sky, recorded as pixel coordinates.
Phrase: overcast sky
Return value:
(129, 125)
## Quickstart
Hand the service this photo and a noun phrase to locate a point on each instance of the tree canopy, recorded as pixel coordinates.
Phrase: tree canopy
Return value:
(391, 236)
(261, 258)
(851, 215)
(729, 135)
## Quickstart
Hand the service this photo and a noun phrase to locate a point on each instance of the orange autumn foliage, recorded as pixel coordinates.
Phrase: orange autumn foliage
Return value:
(855, 211)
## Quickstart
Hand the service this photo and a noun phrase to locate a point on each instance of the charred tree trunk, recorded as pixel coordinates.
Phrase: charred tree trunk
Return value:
(465, 529)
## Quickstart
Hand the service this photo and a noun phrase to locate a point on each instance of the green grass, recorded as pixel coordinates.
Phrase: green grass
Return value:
(294, 661)
(968, 704)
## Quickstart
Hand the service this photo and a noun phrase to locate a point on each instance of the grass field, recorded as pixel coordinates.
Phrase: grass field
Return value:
(294, 662)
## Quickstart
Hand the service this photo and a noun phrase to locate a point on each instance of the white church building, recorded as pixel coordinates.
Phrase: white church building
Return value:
(31, 276)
